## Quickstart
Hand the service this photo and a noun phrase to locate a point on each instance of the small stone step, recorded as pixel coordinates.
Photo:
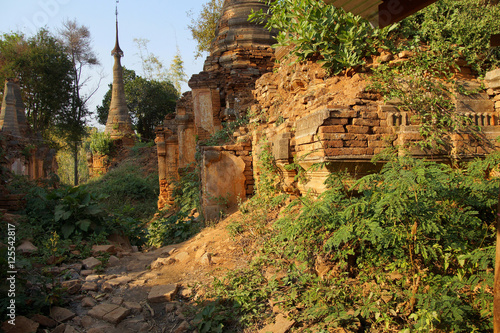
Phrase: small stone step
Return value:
(164, 293)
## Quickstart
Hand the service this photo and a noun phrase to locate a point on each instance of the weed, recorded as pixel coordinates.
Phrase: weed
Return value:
(225, 134)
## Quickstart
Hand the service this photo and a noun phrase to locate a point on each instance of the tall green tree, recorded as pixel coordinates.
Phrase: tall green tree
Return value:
(204, 26)
(45, 75)
(76, 40)
(149, 101)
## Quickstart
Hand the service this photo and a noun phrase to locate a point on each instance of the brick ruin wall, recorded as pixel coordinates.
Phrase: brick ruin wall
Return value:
(312, 118)
(308, 117)
(226, 177)
(304, 115)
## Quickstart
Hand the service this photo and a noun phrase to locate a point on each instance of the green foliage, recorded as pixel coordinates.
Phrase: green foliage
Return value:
(66, 163)
(204, 27)
(172, 230)
(317, 30)
(459, 29)
(410, 248)
(225, 134)
(270, 179)
(426, 89)
(101, 143)
(152, 66)
(340, 40)
(180, 224)
(66, 210)
(149, 101)
(127, 191)
(209, 319)
(45, 71)
(176, 73)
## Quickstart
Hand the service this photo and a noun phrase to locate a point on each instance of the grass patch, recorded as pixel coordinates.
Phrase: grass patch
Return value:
(127, 191)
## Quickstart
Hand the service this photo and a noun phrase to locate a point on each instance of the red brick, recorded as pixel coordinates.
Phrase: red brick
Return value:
(382, 115)
(344, 113)
(410, 136)
(234, 147)
(336, 121)
(369, 115)
(378, 144)
(334, 151)
(365, 122)
(361, 151)
(304, 140)
(482, 150)
(328, 136)
(356, 143)
(334, 144)
(354, 136)
(388, 108)
(318, 153)
(358, 129)
(331, 129)
(242, 152)
(383, 130)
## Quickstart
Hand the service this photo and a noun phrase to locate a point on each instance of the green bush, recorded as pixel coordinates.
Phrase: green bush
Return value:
(225, 134)
(181, 224)
(101, 143)
(66, 210)
(338, 39)
(65, 166)
(127, 191)
(410, 248)
(459, 29)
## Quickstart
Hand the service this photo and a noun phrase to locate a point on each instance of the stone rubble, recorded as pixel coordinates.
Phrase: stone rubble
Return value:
(122, 300)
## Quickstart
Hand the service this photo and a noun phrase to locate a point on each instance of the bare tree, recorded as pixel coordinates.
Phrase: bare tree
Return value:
(77, 43)
(152, 66)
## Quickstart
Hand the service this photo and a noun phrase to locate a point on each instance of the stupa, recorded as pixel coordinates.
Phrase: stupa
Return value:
(119, 124)
(8, 114)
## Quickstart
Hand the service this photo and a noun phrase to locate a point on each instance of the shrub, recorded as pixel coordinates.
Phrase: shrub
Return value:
(181, 224)
(408, 249)
(101, 143)
(127, 191)
(460, 29)
(338, 39)
(66, 210)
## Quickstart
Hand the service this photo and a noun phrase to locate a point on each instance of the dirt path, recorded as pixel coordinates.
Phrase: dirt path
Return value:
(144, 291)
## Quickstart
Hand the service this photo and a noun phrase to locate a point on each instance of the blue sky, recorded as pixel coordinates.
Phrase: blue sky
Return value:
(163, 23)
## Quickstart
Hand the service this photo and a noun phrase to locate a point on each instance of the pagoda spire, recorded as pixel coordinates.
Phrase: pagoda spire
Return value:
(119, 124)
(117, 51)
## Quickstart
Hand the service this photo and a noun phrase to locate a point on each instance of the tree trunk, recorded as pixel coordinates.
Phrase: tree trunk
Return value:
(75, 159)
